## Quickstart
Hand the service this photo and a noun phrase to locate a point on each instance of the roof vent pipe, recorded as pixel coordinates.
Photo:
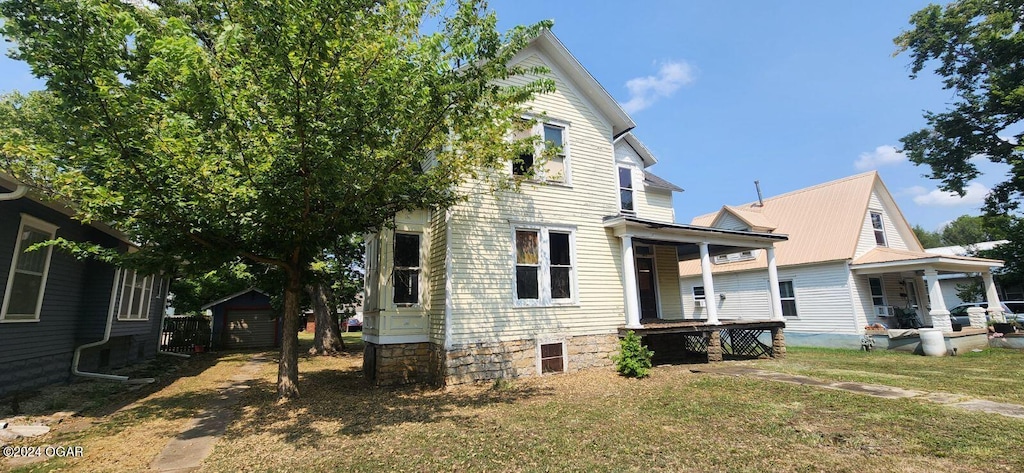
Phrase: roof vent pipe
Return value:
(760, 198)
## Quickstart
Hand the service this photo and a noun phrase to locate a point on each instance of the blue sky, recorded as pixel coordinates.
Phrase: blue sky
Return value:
(791, 93)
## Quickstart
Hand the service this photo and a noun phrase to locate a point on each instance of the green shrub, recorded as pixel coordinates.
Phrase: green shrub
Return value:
(633, 359)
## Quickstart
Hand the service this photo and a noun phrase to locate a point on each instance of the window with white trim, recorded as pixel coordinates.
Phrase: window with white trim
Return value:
(626, 190)
(545, 272)
(136, 296)
(407, 269)
(553, 142)
(551, 357)
(698, 293)
(733, 257)
(788, 297)
(877, 294)
(879, 227)
(26, 282)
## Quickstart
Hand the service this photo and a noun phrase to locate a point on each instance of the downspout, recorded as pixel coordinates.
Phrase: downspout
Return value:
(18, 193)
(106, 338)
(163, 314)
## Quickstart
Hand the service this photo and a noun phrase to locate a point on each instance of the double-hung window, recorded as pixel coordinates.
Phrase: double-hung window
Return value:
(879, 227)
(26, 282)
(545, 272)
(407, 269)
(788, 297)
(626, 190)
(553, 144)
(136, 296)
(877, 294)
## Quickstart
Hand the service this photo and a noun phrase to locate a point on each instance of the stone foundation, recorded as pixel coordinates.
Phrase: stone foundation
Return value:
(714, 339)
(400, 363)
(409, 363)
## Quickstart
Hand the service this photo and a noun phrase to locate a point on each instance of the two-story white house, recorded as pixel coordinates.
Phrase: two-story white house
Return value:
(543, 279)
(851, 262)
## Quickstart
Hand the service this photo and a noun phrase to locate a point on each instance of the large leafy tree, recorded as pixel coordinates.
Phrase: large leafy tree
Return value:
(262, 130)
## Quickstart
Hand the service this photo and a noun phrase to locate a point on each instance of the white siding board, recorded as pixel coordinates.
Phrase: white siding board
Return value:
(666, 262)
(729, 221)
(482, 248)
(866, 240)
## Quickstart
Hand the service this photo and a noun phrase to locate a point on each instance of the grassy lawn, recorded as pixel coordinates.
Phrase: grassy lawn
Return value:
(589, 421)
(995, 374)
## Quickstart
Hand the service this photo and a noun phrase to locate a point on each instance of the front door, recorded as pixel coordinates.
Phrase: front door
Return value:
(648, 293)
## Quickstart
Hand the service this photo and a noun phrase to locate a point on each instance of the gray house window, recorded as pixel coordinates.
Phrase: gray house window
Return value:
(23, 297)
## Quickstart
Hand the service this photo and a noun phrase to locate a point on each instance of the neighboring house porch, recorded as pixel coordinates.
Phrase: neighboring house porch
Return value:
(654, 311)
(890, 281)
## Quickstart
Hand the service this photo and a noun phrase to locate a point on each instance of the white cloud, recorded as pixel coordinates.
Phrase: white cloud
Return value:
(644, 91)
(882, 156)
(975, 195)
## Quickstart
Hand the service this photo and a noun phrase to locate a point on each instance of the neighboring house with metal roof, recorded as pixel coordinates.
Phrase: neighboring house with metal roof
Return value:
(851, 261)
(541, 280)
(951, 283)
(60, 315)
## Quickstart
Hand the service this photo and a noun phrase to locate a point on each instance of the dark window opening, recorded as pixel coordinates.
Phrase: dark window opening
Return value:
(552, 358)
(527, 264)
(788, 298)
(407, 268)
(521, 165)
(626, 189)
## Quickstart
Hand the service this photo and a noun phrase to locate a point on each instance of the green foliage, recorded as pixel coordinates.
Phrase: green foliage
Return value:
(972, 291)
(192, 291)
(633, 359)
(928, 239)
(967, 230)
(213, 131)
(976, 47)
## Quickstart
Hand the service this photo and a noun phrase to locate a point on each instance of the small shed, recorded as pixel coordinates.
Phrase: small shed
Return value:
(245, 320)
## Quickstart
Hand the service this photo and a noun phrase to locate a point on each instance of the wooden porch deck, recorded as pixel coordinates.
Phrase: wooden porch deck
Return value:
(657, 326)
(734, 338)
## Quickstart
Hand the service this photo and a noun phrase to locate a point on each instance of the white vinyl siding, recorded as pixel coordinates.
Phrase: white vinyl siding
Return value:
(669, 298)
(26, 281)
(893, 238)
(822, 292)
(729, 221)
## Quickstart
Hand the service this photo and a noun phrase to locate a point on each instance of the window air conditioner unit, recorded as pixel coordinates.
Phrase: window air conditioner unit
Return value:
(700, 303)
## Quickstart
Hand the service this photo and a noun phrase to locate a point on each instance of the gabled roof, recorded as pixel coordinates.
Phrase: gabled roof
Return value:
(638, 146)
(232, 296)
(823, 223)
(756, 220)
(586, 84)
(650, 180)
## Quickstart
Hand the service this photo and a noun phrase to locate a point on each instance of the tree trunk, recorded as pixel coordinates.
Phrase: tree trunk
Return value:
(288, 368)
(327, 336)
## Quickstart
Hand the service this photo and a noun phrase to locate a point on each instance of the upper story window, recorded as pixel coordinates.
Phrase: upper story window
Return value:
(554, 144)
(544, 266)
(136, 296)
(407, 269)
(626, 190)
(879, 227)
(23, 297)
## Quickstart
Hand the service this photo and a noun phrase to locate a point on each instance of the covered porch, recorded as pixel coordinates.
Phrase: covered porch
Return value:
(655, 311)
(901, 289)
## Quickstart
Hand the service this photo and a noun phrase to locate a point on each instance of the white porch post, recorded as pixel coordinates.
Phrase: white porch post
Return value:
(711, 303)
(995, 308)
(939, 313)
(773, 283)
(629, 277)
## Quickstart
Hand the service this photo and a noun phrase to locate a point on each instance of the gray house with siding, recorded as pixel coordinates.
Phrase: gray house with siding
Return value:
(52, 304)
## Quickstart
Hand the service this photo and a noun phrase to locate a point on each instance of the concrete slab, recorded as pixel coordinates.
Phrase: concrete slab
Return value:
(187, 451)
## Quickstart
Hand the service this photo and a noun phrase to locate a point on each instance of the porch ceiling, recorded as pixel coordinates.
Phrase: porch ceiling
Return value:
(686, 237)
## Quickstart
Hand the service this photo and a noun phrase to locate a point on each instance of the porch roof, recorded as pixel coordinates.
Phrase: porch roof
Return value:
(686, 237)
(886, 260)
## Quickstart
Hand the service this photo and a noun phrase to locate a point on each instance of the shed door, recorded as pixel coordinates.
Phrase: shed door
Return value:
(250, 329)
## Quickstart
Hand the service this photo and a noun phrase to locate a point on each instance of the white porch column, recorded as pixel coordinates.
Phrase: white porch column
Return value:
(629, 277)
(995, 308)
(939, 313)
(773, 283)
(711, 301)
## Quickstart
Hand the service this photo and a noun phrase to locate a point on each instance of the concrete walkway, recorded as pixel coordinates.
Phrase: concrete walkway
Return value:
(186, 451)
(954, 400)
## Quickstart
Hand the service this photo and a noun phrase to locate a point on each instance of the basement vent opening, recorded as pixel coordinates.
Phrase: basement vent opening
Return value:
(552, 358)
